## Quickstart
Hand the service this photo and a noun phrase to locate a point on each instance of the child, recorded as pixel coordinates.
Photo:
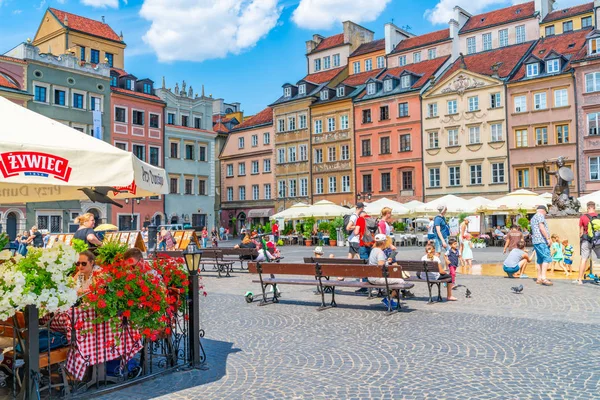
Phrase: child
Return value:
(452, 258)
(556, 251)
(568, 254)
(467, 253)
(430, 256)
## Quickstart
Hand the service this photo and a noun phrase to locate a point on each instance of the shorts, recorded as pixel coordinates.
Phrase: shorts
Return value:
(353, 248)
(542, 253)
(511, 270)
(364, 252)
(453, 273)
(438, 245)
(568, 261)
(430, 236)
(586, 250)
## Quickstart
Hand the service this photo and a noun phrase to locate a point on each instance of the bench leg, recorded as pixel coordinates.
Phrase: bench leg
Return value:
(322, 291)
(228, 269)
(439, 285)
(333, 303)
(263, 301)
(429, 285)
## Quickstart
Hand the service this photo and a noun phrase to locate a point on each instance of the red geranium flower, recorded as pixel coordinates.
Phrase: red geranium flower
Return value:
(120, 293)
(127, 313)
(101, 303)
(130, 303)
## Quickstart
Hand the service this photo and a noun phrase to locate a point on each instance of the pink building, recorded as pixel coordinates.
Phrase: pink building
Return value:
(137, 126)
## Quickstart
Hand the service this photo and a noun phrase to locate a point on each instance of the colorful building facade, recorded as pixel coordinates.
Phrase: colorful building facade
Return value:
(569, 19)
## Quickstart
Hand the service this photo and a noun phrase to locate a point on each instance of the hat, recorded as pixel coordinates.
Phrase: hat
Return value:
(441, 207)
(542, 207)
(380, 237)
(360, 204)
(318, 250)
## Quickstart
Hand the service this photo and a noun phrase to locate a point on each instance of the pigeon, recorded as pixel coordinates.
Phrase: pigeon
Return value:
(517, 289)
(99, 195)
(468, 294)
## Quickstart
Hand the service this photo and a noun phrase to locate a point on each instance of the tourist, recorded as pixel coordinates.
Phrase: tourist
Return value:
(23, 241)
(275, 231)
(353, 238)
(463, 230)
(86, 230)
(204, 236)
(226, 234)
(384, 226)
(246, 243)
(498, 233)
(167, 241)
(441, 230)
(556, 251)
(377, 257)
(540, 237)
(430, 233)
(318, 252)
(145, 235)
(214, 237)
(430, 255)
(84, 276)
(364, 249)
(133, 256)
(222, 233)
(516, 261)
(586, 241)
(452, 257)
(513, 238)
(568, 254)
(467, 251)
(36, 239)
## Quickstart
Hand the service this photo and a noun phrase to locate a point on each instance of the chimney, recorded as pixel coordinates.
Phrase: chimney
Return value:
(66, 21)
(544, 7)
(455, 24)
(356, 35)
(313, 43)
(103, 20)
(596, 11)
(394, 35)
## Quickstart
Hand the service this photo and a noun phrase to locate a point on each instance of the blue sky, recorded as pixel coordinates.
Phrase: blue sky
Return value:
(241, 50)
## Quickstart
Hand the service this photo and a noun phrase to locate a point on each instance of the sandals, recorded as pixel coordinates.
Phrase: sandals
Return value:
(544, 282)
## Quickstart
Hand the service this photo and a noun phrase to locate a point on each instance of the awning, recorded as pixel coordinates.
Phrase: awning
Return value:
(260, 213)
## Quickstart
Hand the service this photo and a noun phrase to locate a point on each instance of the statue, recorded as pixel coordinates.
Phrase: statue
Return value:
(176, 89)
(183, 93)
(191, 92)
(562, 203)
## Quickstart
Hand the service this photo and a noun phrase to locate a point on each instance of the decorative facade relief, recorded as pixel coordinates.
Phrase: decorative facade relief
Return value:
(461, 84)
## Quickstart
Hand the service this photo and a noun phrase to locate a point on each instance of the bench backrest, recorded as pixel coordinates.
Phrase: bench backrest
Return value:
(239, 252)
(212, 254)
(350, 261)
(282, 268)
(419, 266)
(333, 270)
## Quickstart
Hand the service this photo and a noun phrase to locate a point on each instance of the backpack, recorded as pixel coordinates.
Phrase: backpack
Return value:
(594, 230)
(347, 221)
(372, 225)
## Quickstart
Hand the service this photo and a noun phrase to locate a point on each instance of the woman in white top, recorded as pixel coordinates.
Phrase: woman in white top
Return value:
(430, 226)
(378, 258)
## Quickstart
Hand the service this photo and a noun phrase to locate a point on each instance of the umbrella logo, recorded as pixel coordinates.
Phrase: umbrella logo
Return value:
(132, 188)
(32, 163)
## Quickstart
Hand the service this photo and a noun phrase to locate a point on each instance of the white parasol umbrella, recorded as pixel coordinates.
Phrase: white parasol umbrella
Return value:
(477, 204)
(296, 211)
(413, 204)
(326, 209)
(454, 204)
(519, 199)
(376, 206)
(44, 160)
(595, 197)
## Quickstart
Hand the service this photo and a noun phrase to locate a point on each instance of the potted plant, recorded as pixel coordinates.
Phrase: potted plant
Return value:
(337, 224)
(332, 235)
(308, 227)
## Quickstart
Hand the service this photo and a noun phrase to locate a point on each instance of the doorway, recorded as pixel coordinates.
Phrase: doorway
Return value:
(11, 225)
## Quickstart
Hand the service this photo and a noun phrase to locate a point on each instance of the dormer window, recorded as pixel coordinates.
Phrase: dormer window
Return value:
(113, 80)
(533, 69)
(553, 66)
(371, 88)
(129, 84)
(287, 91)
(405, 81)
(325, 94)
(388, 85)
(341, 92)
(147, 88)
(302, 89)
(594, 46)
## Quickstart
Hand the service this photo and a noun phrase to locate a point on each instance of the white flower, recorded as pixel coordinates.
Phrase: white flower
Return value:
(5, 255)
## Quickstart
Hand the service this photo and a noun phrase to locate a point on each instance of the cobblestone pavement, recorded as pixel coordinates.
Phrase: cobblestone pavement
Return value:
(541, 344)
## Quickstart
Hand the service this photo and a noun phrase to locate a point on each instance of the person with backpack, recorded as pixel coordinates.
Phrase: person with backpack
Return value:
(589, 231)
(350, 226)
(441, 230)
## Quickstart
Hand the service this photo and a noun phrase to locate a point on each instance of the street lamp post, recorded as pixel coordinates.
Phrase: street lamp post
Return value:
(135, 200)
(192, 257)
(363, 196)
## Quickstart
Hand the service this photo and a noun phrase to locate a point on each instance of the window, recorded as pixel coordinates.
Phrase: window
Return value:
(474, 103)
(189, 186)
(302, 89)
(497, 172)
(386, 182)
(113, 80)
(366, 147)
(366, 116)
(189, 151)
(567, 26)
(173, 186)
(405, 142)
(171, 119)
(384, 113)
(562, 134)
(503, 37)
(280, 156)
(388, 85)
(266, 138)
(327, 62)
(292, 154)
(331, 154)
(474, 135)
(267, 165)
(523, 178)
(129, 84)
(175, 150)
(592, 82)
(242, 169)
(198, 123)
(594, 168)
(229, 170)
(255, 192)
(432, 110)
(496, 130)
(434, 142)
(341, 91)
(254, 167)
(303, 152)
(417, 57)
(561, 98)
(267, 191)
(471, 45)
(139, 151)
(287, 91)
(454, 176)
(453, 137)
(539, 101)
(367, 183)
(318, 126)
(330, 124)
(520, 34)
(533, 69)
(586, 22)
(452, 107)
(336, 60)
(593, 123)
(153, 120)
(303, 187)
(291, 125)
(78, 101)
(405, 82)
(95, 56)
(242, 193)
(332, 184)
(254, 140)
(356, 67)
(380, 62)
(302, 122)
(550, 30)
(543, 179)
(345, 183)
(384, 145)
(368, 65)
(495, 100)
(553, 66)
(154, 156)
(407, 180)
(59, 97)
(202, 187)
(109, 58)
(325, 94)
(345, 152)
(434, 177)
(184, 120)
(317, 64)
(95, 103)
(147, 88)
(138, 117)
(318, 156)
(431, 54)
(520, 104)
(486, 38)
(402, 61)
(122, 146)
(475, 172)
(241, 143)
(280, 125)
(344, 122)
(371, 88)
(319, 186)
(229, 194)
(82, 53)
(541, 136)
(522, 137)
(403, 110)
(282, 189)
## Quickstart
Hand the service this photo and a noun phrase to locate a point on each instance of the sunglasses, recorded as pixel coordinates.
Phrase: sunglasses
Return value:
(82, 263)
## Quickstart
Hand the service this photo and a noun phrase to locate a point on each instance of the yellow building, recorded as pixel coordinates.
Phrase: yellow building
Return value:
(568, 19)
(92, 41)
(367, 57)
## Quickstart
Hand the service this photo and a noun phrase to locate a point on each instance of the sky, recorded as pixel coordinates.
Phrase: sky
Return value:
(240, 50)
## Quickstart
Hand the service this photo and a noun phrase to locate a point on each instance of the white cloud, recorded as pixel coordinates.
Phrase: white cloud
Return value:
(16, 12)
(101, 3)
(196, 31)
(324, 14)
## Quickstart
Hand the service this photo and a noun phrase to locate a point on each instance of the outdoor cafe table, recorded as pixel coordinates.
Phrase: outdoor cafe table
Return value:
(94, 343)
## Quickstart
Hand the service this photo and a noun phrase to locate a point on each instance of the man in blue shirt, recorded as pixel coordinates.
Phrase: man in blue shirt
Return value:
(441, 230)
(540, 237)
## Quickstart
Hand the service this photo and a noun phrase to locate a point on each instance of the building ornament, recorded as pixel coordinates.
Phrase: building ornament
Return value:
(176, 89)
(334, 166)
(467, 116)
(461, 84)
(328, 137)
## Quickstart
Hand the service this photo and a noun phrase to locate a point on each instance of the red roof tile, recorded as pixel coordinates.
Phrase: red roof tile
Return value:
(119, 71)
(425, 69)
(86, 25)
(481, 63)
(262, 118)
(499, 17)
(422, 40)
(324, 76)
(569, 12)
(567, 44)
(365, 48)
(137, 94)
(359, 79)
(6, 82)
(219, 127)
(329, 42)
(12, 59)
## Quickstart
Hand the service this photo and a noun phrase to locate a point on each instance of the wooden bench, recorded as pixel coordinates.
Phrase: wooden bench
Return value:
(347, 261)
(215, 258)
(241, 255)
(422, 267)
(319, 272)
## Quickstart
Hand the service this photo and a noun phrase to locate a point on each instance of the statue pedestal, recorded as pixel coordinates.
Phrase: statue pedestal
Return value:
(567, 228)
